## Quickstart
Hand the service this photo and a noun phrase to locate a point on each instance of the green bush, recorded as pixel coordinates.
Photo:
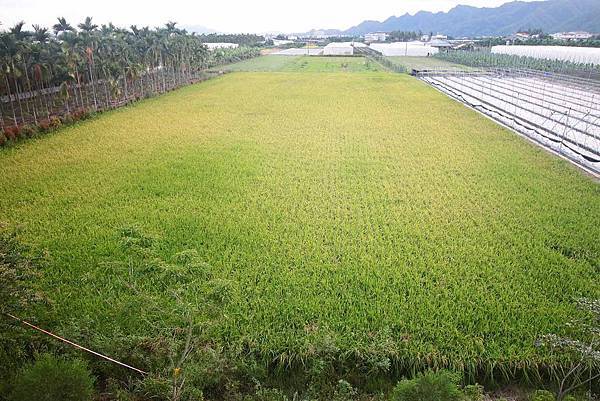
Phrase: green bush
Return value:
(429, 386)
(344, 391)
(20, 295)
(542, 395)
(53, 379)
(28, 131)
(267, 394)
(473, 392)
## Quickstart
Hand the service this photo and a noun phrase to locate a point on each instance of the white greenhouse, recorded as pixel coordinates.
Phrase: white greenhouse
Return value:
(411, 49)
(341, 48)
(586, 55)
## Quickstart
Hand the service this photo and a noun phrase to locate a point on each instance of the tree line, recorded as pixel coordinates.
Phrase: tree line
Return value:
(405, 36)
(68, 70)
(540, 38)
(242, 39)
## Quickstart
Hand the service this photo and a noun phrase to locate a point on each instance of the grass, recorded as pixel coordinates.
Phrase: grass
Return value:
(361, 216)
(305, 64)
(422, 62)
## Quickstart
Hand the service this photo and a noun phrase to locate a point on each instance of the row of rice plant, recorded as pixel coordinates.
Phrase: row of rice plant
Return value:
(485, 58)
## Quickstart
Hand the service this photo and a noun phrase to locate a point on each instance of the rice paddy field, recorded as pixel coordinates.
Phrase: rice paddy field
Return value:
(278, 63)
(361, 217)
(422, 62)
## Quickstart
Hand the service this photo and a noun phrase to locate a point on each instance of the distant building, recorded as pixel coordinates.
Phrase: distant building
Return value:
(440, 44)
(572, 35)
(282, 42)
(425, 38)
(376, 37)
(439, 37)
(318, 34)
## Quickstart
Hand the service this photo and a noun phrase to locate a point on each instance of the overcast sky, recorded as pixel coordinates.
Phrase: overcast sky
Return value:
(225, 15)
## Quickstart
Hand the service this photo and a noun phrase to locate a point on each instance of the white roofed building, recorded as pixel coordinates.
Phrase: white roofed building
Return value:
(376, 37)
(572, 35)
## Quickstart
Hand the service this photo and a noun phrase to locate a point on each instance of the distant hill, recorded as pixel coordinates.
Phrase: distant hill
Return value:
(551, 16)
(198, 29)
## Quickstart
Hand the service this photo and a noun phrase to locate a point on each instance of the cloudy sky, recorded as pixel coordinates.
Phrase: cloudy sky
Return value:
(225, 15)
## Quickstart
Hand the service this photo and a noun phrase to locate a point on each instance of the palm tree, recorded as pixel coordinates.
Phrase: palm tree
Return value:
(43, 74)
(87, 26)
(40, 34)
(6, 51)
(62, 26)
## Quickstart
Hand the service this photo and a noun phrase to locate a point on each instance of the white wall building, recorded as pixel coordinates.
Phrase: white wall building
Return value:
(572, 35)
(376, 37)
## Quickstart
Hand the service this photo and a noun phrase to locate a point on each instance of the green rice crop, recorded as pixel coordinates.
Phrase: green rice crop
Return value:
(484, 58)
(263, 63)
(305, 64)
(422, 62)
(362, 213)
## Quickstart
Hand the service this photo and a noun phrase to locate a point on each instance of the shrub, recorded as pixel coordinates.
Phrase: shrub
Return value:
(429, 386)
(11, 132)
(542, 395)
(52, 379)
(266, 394)
(67, 119)
(55, 122)
(473, 392)
(344, 391)
(3, 138)
(44, 125)
(28, 131)
(78, 114)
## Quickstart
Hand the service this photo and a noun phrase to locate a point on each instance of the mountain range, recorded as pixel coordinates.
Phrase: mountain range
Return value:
(551, 16)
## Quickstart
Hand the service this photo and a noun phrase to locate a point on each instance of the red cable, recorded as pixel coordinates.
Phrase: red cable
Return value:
(75, 345)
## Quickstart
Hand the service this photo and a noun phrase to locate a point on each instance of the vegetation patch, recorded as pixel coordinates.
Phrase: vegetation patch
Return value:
(418, 63)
